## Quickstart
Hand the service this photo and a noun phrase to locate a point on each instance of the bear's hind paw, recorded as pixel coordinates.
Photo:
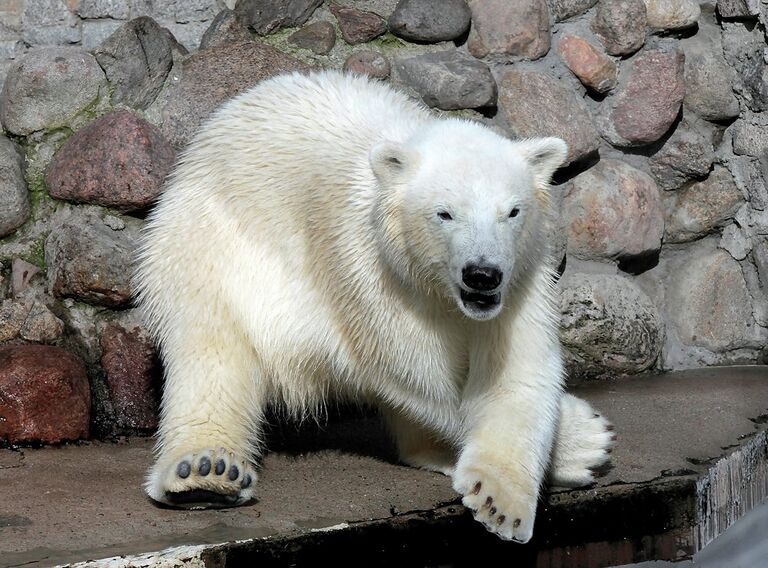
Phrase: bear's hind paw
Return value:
(204, 479)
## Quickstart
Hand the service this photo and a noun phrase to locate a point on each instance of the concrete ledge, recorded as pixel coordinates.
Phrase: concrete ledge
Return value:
(692, 458)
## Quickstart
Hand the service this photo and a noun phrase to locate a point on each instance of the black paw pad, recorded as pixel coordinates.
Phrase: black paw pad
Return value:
(246, 481)
(233, 473)
(220, 467)
(184, 469)
(205, 466)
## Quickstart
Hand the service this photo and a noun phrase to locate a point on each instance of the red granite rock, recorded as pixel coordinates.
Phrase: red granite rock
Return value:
(613, 211)
(500, 27)
(118, 160)
(44, 395)
(358, 26)
(591, 65)
(129, 362)
(647, 104)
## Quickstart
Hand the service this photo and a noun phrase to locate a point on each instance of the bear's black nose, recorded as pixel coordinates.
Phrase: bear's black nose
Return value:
(481, 277)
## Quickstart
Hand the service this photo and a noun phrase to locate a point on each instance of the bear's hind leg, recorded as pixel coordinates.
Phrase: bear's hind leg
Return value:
(583, 443)
(211, 413)
(417, 447)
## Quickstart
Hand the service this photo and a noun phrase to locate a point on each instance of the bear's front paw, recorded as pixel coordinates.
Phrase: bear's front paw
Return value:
(504, 508)
(201, 480)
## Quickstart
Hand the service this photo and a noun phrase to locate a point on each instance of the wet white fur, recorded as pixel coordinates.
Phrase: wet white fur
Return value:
(297, 254)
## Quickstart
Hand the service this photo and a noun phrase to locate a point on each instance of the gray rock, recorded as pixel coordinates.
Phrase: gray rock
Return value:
(449, 80)
(502, 28)
(137, 59)
(366, 62)
(687, 155)
(736, 242)
(97, 31)
(319, 37)
(620, 25)
(613, 211)
(564, 9)
(13, 314)
(708, 78)
(267, 16)
(702, 207)
(670, 15)
(532, 103)
(49, 22)
(89, 261)
(113, 9)
(47, 87)
(750, 175)
(429, 20)
(226, 27)
(755, 79)
(712, 307)
(211, 76)
(41, 325)
(14, 197)
(750, 135)
(609, 326)
(749, 9)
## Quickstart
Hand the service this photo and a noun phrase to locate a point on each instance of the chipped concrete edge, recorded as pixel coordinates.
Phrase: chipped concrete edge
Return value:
(190, 556)
(732, 487)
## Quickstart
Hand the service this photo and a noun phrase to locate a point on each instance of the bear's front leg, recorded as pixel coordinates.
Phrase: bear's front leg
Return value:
(510, 409)
(209, 424)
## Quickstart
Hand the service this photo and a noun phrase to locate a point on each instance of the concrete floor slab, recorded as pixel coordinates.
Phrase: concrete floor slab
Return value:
(681, 436)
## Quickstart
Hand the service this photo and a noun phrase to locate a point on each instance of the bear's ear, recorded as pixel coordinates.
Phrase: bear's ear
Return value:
(544, 155)
(390, 161)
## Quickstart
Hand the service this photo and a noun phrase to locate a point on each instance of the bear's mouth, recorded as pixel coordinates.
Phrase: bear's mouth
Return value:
(480, 301)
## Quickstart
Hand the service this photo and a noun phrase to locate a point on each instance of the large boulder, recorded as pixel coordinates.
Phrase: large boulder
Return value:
(130, 364)
(48, 87)
(710, 303)
(44, 395)
(609, 326)
(700, 208)
(91, 261)
(613, 211)
(211, 76)
(118, 160)
(137, 58)
(620, 25)
(267, 16)
(648, 101)
(502, 28)
(532, 103)
(427, 21)
(449, 80)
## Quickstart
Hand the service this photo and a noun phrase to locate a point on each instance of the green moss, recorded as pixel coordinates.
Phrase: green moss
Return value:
(36, 254)
(387, 42)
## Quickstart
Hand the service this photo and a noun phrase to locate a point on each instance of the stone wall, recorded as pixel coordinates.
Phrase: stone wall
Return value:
(662, 205)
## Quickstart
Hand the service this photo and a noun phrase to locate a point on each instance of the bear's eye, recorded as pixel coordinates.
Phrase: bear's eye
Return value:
(445, 216)
(514, 212)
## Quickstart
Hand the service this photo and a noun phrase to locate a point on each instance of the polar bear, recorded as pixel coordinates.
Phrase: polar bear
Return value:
(324, 235)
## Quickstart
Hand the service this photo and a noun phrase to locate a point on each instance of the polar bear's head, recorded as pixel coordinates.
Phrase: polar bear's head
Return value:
(462, 211)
